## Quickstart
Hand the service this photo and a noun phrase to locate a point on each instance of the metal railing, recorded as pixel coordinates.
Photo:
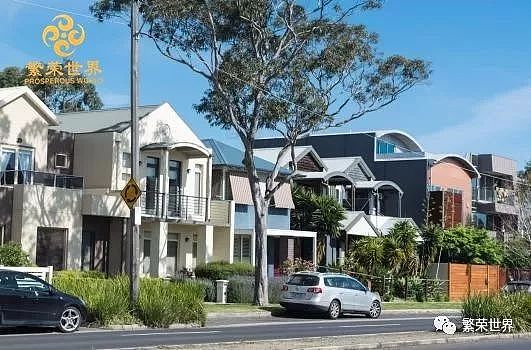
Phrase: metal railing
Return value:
(30, 177)
(173, 205)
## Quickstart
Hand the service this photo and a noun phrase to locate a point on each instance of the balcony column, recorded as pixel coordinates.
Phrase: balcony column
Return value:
(372, 210)
(165, 181)
(205, 244)
(399, 204)
(159, 249)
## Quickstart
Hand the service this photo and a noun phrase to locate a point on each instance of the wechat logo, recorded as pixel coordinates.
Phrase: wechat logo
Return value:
(443, 323)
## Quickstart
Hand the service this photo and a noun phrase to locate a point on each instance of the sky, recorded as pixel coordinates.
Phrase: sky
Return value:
(477, 100)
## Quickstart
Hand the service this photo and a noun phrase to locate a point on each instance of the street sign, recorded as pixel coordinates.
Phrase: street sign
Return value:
(131, 193)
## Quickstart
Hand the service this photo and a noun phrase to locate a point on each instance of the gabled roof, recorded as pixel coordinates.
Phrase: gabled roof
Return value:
(9, 94)
(346, 164)
(229, 156)
(271, 154)
(103, 120)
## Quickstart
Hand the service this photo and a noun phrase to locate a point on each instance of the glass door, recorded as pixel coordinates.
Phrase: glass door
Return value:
(7, 167)
(25, 165)
(152, 185)
(174, 203)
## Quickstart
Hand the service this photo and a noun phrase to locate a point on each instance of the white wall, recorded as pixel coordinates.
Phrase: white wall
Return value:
(93, 158)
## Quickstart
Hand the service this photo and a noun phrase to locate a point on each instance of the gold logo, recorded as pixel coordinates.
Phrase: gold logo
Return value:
(63, 37)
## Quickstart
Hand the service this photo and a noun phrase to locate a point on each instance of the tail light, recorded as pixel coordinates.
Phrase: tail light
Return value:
(315, 290)
(284, 288)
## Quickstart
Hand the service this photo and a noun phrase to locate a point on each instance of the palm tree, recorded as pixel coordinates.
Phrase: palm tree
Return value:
(366, 255)
(432, 239)
(400, 249)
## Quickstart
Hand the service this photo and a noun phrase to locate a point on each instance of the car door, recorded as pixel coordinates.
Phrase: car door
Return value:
(346, 294)
(9, 299)
(38, 304)
(360, 295)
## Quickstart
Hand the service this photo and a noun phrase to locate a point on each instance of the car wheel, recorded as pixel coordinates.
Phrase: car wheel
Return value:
(375, 310)
(334, 310)
(70, 320)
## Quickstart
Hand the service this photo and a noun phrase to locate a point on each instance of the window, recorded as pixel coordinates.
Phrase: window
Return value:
(13, 160)
(126, 177)
(126, 160)
(303, 280)
(51, 251)
(242, 248)
(194, 250)
(30, 284)
(61, 160)
(383, 147)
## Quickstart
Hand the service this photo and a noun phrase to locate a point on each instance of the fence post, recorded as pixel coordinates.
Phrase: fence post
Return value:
(50, 274)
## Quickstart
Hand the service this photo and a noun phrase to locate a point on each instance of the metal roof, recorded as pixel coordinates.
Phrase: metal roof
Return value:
(225, 155)
(103, 120)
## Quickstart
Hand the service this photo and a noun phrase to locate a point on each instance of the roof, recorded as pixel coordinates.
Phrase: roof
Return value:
(377, 184)
(347, 164)
(352, 218)
(386, 223)
(7, 95)
(103, 120)
(186, 147)
(467, 165)
(271, 154)
(226, 155)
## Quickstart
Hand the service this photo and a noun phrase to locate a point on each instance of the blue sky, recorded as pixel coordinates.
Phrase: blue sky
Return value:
(477, 100)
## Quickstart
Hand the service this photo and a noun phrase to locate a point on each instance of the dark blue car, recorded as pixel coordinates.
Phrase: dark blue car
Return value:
(26, 300)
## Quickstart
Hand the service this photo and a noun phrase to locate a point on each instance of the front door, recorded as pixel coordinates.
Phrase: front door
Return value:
(172, 256)
(51, 247)
(174, 203)
(152, 186)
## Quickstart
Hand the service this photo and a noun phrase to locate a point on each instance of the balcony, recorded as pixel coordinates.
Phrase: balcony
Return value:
(490, 163)
(168, 206)
(495, 200)
(29, 177)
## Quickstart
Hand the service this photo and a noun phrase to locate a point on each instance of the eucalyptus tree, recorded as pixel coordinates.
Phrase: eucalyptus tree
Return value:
(286, 66)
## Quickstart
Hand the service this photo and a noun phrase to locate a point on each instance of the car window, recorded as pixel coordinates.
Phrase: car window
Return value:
(7, 281)
(357, 285)
(331, 282)
(28, 283)
(303, 280)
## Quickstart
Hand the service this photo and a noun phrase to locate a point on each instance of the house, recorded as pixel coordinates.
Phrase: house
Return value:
(430, 186)
(494, 205)
(230, 183)
(372, 206)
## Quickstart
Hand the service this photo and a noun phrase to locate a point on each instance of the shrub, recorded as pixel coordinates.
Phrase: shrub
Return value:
(290, 266)
(11, 254)
(107, 300)
(275, 288)
(223, 270)
(209, 288)
(79, 274)
(515, 306)
(240, 289)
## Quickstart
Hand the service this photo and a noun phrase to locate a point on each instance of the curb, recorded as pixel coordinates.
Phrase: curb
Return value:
(217, 315)
(138, 327)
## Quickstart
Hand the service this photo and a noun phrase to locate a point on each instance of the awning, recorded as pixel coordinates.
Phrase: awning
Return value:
(241, 190)
(290, 233)
(283, 198)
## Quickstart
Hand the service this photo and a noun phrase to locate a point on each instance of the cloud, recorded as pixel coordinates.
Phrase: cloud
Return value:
(111, 99)
(494, 126)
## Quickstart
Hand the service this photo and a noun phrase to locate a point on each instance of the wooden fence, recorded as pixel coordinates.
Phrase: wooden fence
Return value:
(465, 280)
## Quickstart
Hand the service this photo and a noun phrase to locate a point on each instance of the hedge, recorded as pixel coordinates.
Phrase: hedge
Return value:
(223, 270)
(160, 302)
(241, 289)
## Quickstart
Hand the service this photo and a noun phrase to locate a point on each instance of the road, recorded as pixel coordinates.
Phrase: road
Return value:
(509, 344)
(218, 331)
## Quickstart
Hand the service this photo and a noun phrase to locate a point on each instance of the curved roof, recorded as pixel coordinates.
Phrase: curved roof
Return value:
(189, 147)
(466, 163)
(332, 174)
(410, 143)
(377, 184)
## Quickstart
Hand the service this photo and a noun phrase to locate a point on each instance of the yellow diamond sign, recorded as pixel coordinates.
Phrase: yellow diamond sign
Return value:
(131, 193)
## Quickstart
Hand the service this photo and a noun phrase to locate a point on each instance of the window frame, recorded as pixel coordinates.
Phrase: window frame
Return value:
(66, 163)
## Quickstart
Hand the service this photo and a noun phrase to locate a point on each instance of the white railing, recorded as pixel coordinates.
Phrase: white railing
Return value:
(44, 273)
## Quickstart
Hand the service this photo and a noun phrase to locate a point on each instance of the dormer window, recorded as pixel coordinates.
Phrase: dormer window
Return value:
(61, 160)
(383, 147)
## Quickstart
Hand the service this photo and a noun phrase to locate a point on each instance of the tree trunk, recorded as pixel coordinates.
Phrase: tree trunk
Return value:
(261, 296)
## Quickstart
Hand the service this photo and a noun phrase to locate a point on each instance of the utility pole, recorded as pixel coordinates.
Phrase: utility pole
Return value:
(134, 217)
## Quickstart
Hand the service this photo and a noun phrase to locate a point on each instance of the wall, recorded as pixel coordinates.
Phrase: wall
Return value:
(19, 119)
(93, 158)
(39, 206)
(278, 218)
(450, 174)
(60, 142)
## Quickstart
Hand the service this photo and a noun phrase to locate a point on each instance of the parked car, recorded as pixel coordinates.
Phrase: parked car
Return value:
(26, 300)
(332, 293)
(517, 286)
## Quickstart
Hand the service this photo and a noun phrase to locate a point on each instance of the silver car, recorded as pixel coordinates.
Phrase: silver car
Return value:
(332, 293)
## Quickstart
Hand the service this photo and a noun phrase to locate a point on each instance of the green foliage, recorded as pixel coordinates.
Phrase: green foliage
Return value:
(470, 245)
(78, 274)
(78, 96)
(515, 306)
(241, 288)
(162, 303)
(221, 270)
(11, 254)
(209, 287)
(366, 255)
(290, 266)
(517, 253)
(400, 249)
(432, 239)
(322, 214)
(107, 299)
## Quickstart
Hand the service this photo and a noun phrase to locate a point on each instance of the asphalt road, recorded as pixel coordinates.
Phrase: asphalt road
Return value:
(233, 330)
(508, 344)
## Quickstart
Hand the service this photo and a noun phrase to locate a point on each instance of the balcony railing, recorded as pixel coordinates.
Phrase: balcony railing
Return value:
(173, 206)
(498, 195)
(29, 177)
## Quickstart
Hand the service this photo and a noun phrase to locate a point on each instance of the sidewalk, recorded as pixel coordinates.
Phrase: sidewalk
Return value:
(353, 342)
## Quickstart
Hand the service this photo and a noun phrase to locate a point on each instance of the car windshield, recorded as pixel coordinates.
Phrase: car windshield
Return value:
(303, 280)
